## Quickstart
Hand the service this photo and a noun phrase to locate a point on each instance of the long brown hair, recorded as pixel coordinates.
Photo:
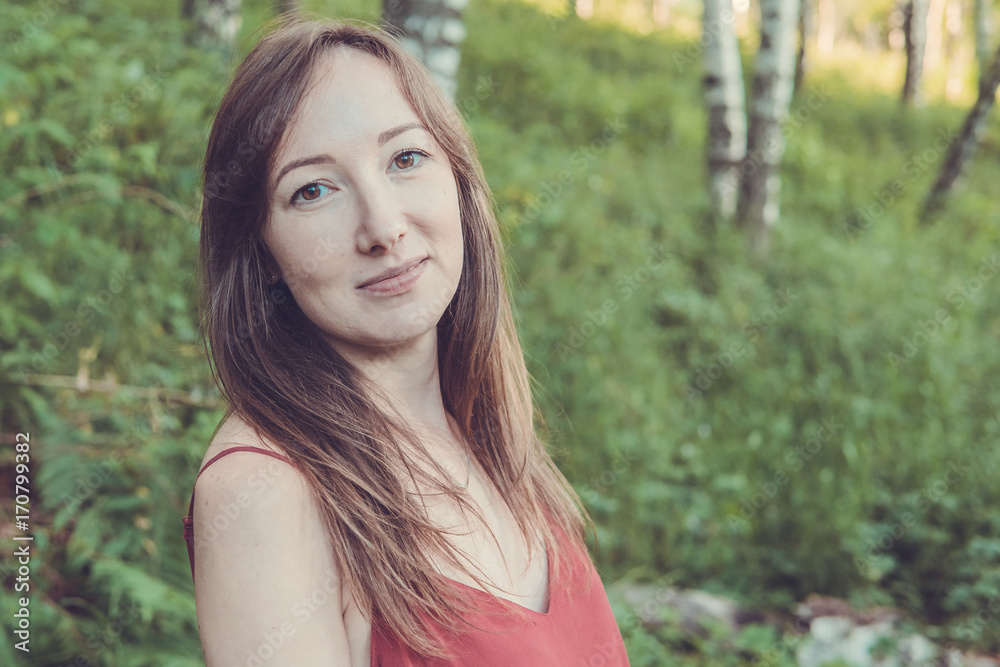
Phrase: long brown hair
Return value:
(280, 376)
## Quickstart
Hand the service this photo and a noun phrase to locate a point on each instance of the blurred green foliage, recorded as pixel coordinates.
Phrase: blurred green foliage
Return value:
(822, 421)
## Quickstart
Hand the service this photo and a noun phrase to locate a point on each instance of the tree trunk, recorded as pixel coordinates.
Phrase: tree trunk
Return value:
(432, 31)
(774, 74)
(826, 28)
(805, 29)
(962, 150)
(725, 99)
(661, 13)
(983, 19)
(915, 27)
(953, 25)
(584, 8)
(216, 22)
(289, 7)
(934, 47)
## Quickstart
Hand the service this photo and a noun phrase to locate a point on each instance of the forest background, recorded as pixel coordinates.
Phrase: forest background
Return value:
(819, 419)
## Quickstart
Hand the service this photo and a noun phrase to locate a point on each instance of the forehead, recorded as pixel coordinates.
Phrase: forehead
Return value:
(352, 96)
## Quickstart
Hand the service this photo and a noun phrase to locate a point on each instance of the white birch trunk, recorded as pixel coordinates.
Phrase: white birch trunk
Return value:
(935, 34)
(953, 25)
(217, 22)
(805, 30)
(983, 19)
(826, 26)
(774, 74)
(661, 13)
(433, 32)
(963, 148)
(916, 40)
(725, 99)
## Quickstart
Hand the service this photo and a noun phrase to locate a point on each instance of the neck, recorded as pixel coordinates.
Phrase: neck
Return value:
(408, 379)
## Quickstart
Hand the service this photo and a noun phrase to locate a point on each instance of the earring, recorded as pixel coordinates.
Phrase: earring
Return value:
(271, 278)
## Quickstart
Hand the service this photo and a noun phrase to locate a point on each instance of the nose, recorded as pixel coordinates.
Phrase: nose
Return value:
(383, 222)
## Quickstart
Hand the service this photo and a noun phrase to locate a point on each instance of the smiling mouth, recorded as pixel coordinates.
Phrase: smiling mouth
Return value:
(396, 280)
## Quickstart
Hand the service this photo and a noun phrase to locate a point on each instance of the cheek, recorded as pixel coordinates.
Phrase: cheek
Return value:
(274, 243)
(455, 233)
(448, 234)
(301, 250)
(449, 212)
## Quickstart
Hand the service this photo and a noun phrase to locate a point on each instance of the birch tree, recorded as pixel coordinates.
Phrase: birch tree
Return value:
(289, 7)
(915, 29)
(953, 25)
(826, 25)
(805, 28)
(962, 150)
(216, 22)
(433, 32)
(934, 40)
(661, 12)
(774, 73)
(724, 97)
(983, 21)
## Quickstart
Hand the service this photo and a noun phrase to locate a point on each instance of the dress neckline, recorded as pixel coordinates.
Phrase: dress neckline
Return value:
(550, 590)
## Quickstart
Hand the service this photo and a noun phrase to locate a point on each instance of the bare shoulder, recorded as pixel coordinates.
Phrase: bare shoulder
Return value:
(246, 478)
(261, 547)
(235, 432)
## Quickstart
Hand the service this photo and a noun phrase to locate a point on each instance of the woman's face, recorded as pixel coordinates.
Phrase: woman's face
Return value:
(364, 220)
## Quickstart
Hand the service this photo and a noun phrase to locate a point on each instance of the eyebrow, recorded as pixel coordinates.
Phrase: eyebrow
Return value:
(399, 129)
(326, 158)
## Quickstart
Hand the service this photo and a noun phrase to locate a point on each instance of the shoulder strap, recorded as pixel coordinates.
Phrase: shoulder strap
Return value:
(243, 448)
(189, 519)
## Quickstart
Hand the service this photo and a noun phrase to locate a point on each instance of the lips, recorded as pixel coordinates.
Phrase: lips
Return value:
(395, 279)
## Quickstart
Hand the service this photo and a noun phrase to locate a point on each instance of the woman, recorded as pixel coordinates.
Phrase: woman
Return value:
(376, 494)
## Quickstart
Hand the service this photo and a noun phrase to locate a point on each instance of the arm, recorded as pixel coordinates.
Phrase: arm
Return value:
(266, 585)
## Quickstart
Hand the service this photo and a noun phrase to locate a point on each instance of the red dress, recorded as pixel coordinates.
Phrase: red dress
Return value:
(578, 630)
